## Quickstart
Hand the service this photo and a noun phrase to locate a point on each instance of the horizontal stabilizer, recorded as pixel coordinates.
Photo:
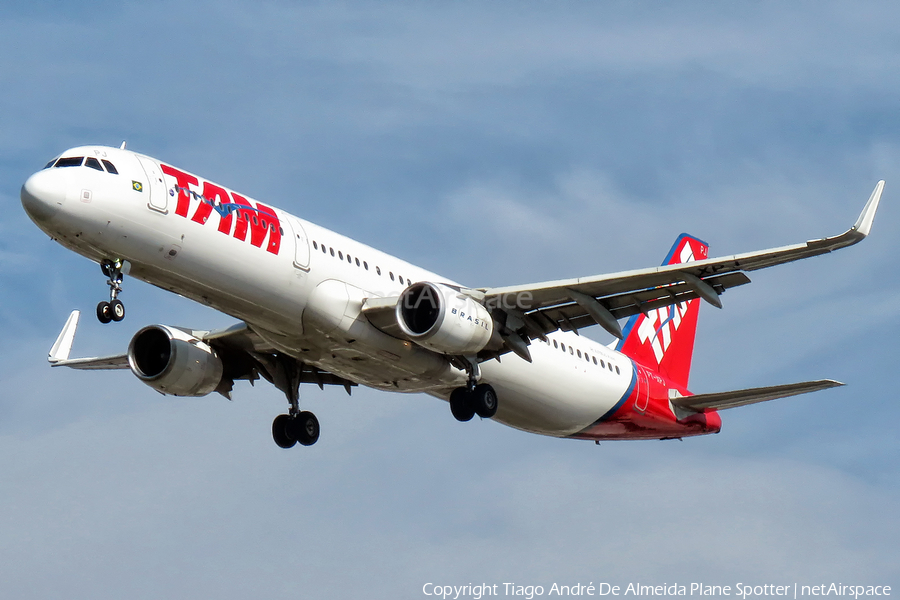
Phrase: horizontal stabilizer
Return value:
(737, 398)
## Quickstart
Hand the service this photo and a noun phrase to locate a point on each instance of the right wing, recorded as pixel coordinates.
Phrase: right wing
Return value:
(534, 310)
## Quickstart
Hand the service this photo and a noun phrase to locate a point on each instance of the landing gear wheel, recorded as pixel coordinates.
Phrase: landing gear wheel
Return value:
(484, 401)
(461, 405)
(116, 310)
(104, 314)
(280, 428)
(305, 428)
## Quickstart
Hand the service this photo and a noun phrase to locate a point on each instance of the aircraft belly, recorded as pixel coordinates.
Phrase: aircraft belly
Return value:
(554, 395)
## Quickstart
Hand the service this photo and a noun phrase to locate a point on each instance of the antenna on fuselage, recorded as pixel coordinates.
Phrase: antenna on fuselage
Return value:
(122, 147)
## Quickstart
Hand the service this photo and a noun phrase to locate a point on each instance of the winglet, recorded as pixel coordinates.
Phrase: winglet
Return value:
(63, 346)
(864, 222)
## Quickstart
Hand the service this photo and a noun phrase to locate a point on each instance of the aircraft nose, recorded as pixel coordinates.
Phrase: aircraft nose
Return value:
(43, 194)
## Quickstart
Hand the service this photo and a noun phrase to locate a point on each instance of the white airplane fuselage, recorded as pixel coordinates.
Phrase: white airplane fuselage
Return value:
(301, 287)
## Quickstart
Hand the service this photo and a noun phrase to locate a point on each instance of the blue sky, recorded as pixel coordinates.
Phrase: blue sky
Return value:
(497, 144)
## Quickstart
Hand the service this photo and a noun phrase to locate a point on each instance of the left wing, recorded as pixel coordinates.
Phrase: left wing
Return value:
(244, 354)
(59, 352)
(532, 311)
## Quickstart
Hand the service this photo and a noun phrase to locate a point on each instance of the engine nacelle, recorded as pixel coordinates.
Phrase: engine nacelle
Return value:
(174, 362)
(443, 320)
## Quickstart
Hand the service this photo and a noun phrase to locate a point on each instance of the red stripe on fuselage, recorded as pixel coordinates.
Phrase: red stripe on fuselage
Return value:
(647, 414)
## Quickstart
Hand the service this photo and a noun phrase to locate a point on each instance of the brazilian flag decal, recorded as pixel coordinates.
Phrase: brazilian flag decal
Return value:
(138, 186)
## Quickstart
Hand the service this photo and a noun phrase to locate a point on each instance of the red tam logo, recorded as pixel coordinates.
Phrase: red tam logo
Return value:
(237, 215)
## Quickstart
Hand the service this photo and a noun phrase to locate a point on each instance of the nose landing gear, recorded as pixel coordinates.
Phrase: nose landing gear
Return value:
(113, 310)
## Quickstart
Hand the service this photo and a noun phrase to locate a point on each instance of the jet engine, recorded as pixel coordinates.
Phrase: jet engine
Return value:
(174, 362)
(443, 319)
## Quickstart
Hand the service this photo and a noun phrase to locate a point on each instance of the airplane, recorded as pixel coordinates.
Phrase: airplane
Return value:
(314, 306)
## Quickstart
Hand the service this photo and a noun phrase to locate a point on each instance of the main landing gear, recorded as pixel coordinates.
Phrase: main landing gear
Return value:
(481, 401)
(289, 429)
(473, 399)
(296, 426)
(113, 310)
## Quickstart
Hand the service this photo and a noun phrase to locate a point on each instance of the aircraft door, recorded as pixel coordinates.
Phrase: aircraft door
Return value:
(642, 396)
(301, 243)
(157, 198)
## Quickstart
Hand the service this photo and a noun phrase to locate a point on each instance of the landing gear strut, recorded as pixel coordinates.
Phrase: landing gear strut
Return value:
(113, 310)
(296, 426)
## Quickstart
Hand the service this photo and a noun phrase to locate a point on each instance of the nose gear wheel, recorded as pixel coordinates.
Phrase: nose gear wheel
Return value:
(113, 310)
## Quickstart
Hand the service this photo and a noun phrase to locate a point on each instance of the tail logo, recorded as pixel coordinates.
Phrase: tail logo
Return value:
(668, 318)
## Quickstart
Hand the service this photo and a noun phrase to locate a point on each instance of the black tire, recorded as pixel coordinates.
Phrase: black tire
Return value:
(305, 428)
(104, 315)
(116, 310)
(461, 405)
(484, 401)
(280, 428)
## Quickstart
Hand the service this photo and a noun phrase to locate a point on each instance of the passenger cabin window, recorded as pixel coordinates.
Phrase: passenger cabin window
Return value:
(73, 161)
(93, 163)
(109, 167)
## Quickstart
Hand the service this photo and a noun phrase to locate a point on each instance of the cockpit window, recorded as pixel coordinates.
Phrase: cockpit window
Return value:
(109, 167)
(50, 164)
(93, 163)
(74, 161)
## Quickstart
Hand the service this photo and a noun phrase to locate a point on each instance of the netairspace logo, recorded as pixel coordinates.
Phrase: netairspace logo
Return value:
(739, 590)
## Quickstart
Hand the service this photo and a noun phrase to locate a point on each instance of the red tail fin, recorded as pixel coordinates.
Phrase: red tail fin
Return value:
(663, 339)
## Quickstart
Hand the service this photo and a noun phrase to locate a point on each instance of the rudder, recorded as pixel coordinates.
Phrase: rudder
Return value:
(663, 339)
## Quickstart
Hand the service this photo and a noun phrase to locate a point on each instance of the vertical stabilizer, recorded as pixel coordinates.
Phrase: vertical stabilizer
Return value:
(663, 339)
